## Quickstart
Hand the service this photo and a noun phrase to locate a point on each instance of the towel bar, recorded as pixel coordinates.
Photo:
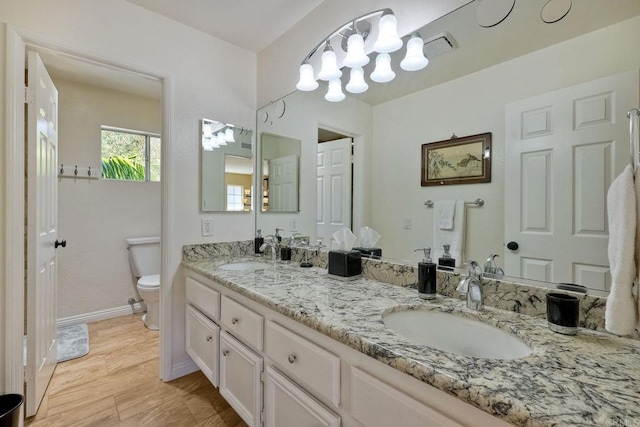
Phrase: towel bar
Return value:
(476, 202)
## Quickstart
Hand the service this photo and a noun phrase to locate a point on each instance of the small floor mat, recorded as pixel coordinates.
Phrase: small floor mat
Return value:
(73, 342)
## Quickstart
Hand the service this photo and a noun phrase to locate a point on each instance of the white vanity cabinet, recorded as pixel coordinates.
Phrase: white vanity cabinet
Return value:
(312, 379)
(202, 333)
(240, 379)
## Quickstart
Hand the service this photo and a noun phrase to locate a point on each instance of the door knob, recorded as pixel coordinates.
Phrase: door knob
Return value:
(513, 246)
(62, 243)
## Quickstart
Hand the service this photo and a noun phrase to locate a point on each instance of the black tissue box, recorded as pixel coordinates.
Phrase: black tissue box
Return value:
(345, 265)
(375, 253)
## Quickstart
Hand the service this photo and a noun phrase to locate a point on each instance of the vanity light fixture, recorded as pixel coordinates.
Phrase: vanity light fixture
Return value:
(414, 59)
(348, 47)
(383, 72)
(220, 140)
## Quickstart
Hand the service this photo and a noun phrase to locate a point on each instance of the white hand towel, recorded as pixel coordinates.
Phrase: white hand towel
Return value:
(453, 237)
(445, 211)
(621, 309)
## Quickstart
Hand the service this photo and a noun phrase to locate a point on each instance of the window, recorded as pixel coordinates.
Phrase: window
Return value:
(130, 155)
(234, 198)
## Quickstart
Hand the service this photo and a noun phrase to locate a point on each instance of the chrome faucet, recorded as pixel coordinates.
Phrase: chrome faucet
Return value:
(274, 244)
(491, 268)
(472, 287)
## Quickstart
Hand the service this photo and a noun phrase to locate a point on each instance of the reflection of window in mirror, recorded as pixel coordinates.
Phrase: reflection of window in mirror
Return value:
(237, 177)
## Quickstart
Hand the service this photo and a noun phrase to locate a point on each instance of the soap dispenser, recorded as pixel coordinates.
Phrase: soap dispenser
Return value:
(257, 242)
(445, 261)
(426, 276)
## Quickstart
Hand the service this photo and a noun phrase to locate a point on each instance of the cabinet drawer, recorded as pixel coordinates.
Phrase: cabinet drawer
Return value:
(377, 404)
(286, 404)
(243, 323)
(203, 297)
(312, 365)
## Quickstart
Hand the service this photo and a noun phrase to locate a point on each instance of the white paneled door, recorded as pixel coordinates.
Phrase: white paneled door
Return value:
(283, 184)
(563, 150)
(333, 188)
(42, 231)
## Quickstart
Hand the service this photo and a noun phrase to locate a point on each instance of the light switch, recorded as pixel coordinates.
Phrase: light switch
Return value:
(293, 224)
(407, 224)
(207, 227)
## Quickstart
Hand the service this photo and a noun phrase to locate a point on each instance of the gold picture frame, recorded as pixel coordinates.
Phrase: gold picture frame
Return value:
(465, 160)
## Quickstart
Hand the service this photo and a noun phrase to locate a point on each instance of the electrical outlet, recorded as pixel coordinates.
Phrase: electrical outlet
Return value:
(293, 224)
(407, 224)
(207, 227)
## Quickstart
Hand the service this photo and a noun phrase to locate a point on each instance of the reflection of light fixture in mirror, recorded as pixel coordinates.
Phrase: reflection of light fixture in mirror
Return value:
(329, 70)
(220, 139)
(335, 94)
(356, 82)
(414, 60)
(206, 129)
(351, 39)
(383, 72)
(228, 135)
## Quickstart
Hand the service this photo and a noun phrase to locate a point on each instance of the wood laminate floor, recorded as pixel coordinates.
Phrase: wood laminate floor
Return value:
(117, 384)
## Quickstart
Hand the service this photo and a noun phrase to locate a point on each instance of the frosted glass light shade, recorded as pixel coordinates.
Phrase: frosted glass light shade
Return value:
(206, 130)
(207, 145)
(356, 82)
(307, 82)
(414, 60)
(228, 135)
(388, 39)
(383, 72)
(329, 70)
(335, 94)
(220, 139)
(355, 52)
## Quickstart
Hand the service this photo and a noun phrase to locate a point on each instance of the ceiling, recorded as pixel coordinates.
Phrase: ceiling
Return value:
(249, 24)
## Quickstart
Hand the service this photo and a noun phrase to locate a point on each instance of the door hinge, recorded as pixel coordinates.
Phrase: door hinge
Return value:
(29, 95)
(262, 377)
(262, 415)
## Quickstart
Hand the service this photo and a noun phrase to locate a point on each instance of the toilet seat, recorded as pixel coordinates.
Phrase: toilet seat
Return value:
(151, 281)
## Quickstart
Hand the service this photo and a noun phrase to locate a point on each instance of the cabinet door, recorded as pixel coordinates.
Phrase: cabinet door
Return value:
(240, 370)
(202, 337)
(286, 404)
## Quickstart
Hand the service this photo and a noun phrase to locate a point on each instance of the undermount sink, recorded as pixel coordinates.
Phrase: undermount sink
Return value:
(454, 334)
(244, 266)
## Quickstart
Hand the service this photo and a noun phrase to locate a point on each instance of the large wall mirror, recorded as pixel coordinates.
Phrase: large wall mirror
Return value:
(226, 167)
(532, 85)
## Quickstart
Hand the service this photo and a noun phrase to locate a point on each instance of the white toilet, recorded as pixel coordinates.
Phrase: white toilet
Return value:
(144, 258)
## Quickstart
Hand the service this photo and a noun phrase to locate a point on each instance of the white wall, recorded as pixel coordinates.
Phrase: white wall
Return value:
(209, 78)
(96, 216)
(401, 126)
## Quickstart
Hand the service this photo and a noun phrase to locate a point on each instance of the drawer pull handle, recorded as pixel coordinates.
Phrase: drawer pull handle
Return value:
(292, 358)
(209, 338)
(234, 320)
(225, 352)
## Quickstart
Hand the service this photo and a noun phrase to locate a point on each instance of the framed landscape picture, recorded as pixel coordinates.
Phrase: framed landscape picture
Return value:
(465, 160)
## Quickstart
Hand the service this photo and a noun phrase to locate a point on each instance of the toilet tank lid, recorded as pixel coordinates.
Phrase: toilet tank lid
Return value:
(142, 240)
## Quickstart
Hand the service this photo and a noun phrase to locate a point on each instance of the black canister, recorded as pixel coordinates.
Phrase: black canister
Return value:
(285, 253)
(257, 242)
(563, 313)
(426, 276)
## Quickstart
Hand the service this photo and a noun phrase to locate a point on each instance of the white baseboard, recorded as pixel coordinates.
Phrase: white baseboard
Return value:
(181, 369)
(109, 313)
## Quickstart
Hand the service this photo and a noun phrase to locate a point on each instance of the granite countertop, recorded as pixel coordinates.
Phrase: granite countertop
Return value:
(589, 379)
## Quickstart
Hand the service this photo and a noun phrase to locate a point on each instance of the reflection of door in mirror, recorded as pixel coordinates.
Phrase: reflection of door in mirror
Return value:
(238, 173)
(334, 188)
(280, 161)
(283, 184)
(561, 147)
